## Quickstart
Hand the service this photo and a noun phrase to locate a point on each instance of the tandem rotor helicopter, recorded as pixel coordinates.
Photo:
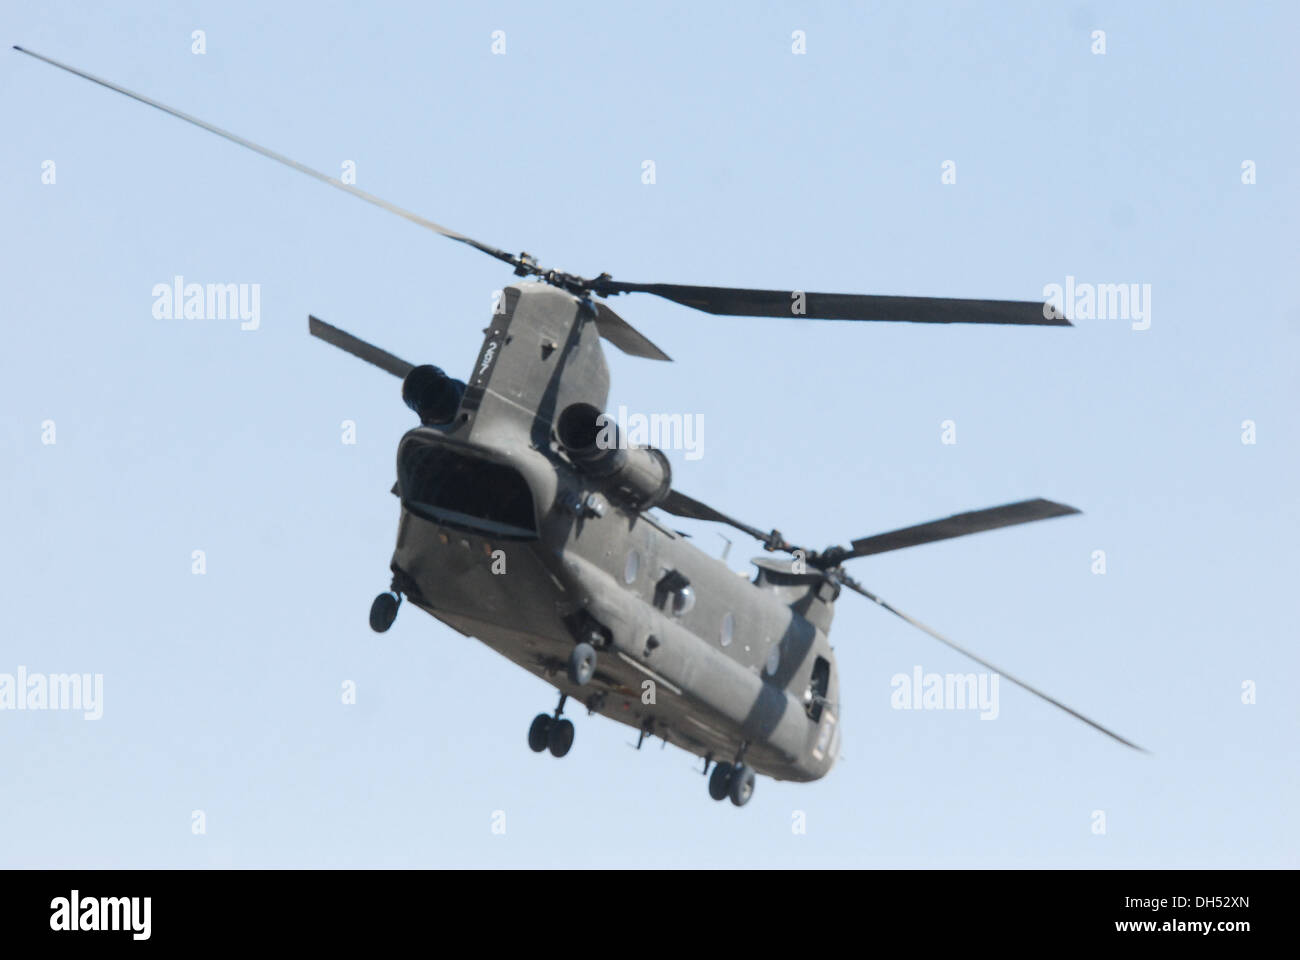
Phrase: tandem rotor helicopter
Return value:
(602, 599)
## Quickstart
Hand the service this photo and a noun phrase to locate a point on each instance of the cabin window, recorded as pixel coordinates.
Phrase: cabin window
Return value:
(683, 600)
(728, 629)
(673, 592)
(631, 567)
(448, 487)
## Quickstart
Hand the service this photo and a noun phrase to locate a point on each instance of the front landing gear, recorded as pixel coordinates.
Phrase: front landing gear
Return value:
(384, 611)
(551, 732)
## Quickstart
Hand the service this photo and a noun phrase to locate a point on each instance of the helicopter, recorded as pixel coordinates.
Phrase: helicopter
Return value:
(528, 523)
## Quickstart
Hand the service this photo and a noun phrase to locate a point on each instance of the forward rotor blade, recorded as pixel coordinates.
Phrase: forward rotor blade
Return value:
(280, 158)
(358, 347)
(625, 336)
(959, 525)
(858, 588)
(793, 304)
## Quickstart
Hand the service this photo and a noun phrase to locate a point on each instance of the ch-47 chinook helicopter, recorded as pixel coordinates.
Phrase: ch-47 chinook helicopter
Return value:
(599, 596)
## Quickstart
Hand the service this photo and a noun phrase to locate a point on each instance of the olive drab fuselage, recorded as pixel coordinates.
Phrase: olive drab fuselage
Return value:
(506, 540)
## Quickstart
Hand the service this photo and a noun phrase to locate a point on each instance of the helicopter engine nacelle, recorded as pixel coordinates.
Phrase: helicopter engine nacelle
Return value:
(433, 395)
(638, 477)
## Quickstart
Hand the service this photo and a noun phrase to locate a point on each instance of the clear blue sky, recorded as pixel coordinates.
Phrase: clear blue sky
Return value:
(820, 172)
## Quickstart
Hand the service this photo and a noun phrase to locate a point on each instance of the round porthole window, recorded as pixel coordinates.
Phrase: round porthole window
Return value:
(683, 600)
(728, 629)
(632, 566)
(773, 660)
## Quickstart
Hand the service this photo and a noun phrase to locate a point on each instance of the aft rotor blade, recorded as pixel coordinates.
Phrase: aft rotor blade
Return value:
(358, 347)
(280, 158)
(959, 525)
(625, 336)
(858, 588)
(797, 305)
(680, 505)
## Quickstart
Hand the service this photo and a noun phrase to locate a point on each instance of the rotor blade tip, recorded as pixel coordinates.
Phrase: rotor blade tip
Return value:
(1054, 316)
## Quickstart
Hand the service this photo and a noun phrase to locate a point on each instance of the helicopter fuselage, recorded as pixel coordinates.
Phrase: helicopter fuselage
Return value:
(505, 539)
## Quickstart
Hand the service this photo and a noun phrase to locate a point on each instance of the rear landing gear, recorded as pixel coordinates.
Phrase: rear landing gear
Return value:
(384, 611)
(551, 732)
(539, 733)
(720, 781)
(732, 780)
(560, 737)
(741, 787)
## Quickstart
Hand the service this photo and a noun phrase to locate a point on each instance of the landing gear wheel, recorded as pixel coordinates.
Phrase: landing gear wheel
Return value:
(539, 733)
(560, 737)
(742, 785)
(720, 781)
(384, 611)
(582, 664)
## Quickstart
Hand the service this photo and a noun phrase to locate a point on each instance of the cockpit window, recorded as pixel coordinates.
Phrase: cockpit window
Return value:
(819, 684)
(446, 486)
